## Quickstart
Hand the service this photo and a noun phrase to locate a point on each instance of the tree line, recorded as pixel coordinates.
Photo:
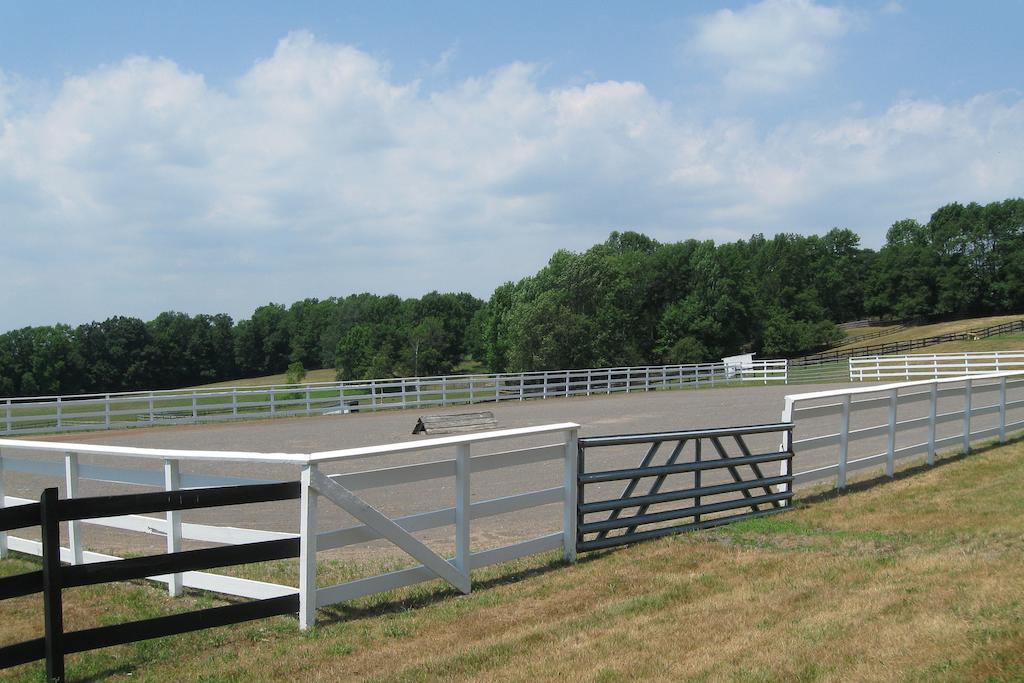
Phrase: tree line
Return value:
(362, 335)
(630, 300)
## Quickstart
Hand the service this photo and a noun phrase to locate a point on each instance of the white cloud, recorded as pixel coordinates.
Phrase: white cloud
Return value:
(138, 187)
(772, 46)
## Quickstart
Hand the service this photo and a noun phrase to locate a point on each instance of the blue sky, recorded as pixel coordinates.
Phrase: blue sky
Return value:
(210, 157)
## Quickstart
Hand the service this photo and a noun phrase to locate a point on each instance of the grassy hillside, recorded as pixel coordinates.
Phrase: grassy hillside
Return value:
(326, 375)
(467, 367)
(917, 579)
(920, 331)
(1004, 342)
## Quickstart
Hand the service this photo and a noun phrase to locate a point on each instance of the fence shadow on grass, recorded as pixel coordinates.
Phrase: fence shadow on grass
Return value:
(904, 473)
(342, 612)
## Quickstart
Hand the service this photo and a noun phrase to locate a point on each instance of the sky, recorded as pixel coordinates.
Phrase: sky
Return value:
(213, 157)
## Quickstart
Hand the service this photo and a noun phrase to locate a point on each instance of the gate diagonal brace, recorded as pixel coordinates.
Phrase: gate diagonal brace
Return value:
(633, 483)
(754, 466)
(659, 482)
(736, 475)
(373, 518)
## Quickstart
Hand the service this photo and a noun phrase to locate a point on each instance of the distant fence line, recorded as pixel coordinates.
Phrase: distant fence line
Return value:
(908, 344)
(868, 322)
(870, 335)
(934, 365)
(135, 409)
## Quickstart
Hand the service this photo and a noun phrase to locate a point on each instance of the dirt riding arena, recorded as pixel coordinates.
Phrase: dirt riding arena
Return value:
(599, 415)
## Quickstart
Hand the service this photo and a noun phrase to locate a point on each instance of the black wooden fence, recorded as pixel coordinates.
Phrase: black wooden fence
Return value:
(703, 505)
(50, 511)
(907, 345)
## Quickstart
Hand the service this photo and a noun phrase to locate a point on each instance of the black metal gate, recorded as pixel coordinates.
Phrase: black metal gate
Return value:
(690, 484)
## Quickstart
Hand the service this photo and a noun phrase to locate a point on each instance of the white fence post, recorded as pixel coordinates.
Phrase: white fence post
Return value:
(787, 417)
(309, 406)
(1002, 410)
(462, 508)
(890, 460)
(234, 402)
(609, 387)
(544, 391)
(74, 526)
(60, 426)
(151, 417)
(844, 443)
(273, 408)
(444, 391)
(933, 410)
(3, 504)
(172, 482)
(195, 408)
(307, 551)
(571, 495)
(967, 416)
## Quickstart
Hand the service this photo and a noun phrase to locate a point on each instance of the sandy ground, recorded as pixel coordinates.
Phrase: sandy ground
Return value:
(598, 415)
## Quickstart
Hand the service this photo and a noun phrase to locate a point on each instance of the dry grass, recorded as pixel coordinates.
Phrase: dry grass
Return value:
(326, 375)
(1004, 342)
(917, 579)
(921, 331)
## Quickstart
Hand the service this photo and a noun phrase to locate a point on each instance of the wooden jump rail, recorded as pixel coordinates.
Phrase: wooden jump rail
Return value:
(452, 424)
(50, 511)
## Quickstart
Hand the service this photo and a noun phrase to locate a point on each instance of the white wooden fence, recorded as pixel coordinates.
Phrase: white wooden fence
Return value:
(852, 429)
(922, 365)
(43, 414)
(336, 489)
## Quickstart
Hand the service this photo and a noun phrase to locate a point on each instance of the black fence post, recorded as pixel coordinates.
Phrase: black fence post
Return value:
(581, 464)
(53, 609)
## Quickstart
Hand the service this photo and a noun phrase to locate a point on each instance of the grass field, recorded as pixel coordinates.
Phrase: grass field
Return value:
(325, 375)
(917, 579)
(467, 367)
(1004, 342)
(921, 331)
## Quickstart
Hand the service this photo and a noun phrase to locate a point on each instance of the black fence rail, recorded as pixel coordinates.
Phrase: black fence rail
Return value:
(907, 345)
(871, 322)
(50, 511)
(870, 335)
(678, 487)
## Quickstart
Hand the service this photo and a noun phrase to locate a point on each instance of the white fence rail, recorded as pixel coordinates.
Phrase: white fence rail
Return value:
(338, 489)
(934, 365)
(841, 431)
(43, 414)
